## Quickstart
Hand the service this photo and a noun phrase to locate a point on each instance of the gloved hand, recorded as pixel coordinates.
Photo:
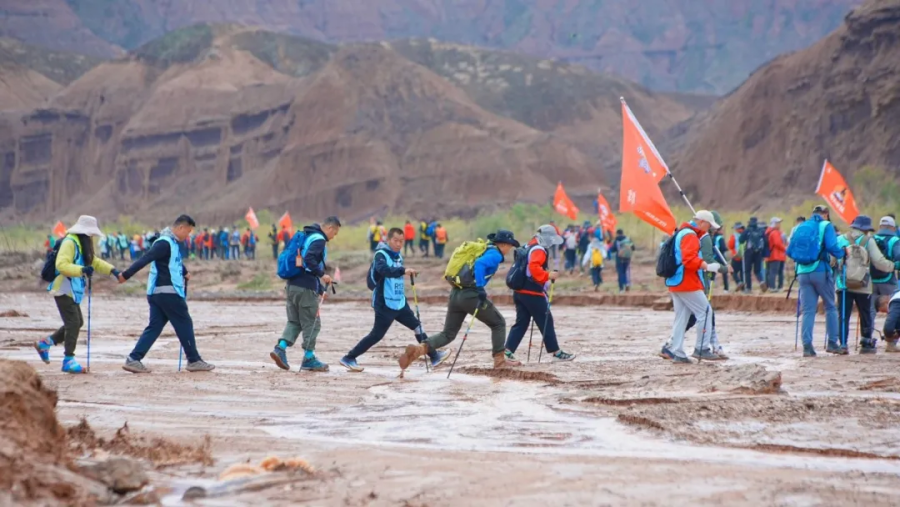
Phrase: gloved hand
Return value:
(482, 297)
(713, 267)
(87, 271)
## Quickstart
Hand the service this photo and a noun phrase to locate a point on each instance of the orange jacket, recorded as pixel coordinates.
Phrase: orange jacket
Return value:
(691, 261)
(777, 250)
(440, 235)
(409, 232)
(733, 247)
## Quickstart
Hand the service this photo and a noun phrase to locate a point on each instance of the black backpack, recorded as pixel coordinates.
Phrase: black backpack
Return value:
(518, 273)
(48, 272)
(756, 240)
(666, 265)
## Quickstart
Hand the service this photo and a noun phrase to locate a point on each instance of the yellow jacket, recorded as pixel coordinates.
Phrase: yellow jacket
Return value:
(69, 264)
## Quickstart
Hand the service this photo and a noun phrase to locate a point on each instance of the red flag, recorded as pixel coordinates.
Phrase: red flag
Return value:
(252, 221)
(285, 222)
(562, 204)
(836, 193)
(59, 230)
(607, 219)
(642, 169)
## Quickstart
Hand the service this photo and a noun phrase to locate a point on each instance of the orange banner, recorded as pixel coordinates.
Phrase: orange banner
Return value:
(252, 221)
(607, 219)
(642, 170)
(836, 193)
(59, 230)
(285, 222)
(562, 204)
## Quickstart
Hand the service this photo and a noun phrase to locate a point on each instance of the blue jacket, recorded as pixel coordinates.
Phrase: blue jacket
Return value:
(313, 261)
(487, 265)
(390, 279)
(223, 238)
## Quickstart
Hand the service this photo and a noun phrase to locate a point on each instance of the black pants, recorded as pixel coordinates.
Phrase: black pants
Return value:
(752, 265)
(775, 274)
(528, 307)
(892, 323)
(863, 307)
(72, 319)
(165, 308)
(423, 246)
(409, 246)
(384, 317)
(274, 252)
(738, 275)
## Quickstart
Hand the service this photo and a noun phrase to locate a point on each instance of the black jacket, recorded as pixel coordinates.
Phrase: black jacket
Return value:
(159, 253)
(314, 261)
(382, 271)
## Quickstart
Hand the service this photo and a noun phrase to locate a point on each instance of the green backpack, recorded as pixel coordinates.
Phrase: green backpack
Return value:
(624, 249)
(460, 270)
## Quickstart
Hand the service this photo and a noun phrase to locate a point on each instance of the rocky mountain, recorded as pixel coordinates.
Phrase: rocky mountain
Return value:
(213, 119)
(700, 46)
(29, 75)
(839, 99)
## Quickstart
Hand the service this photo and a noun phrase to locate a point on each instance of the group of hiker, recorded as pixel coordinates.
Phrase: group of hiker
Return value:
(757, 251)
(223, 244)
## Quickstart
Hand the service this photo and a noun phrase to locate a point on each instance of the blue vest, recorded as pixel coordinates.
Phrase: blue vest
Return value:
(176, 271)
(679, 274)
(77, 283)
(309, 240)
(394, 289)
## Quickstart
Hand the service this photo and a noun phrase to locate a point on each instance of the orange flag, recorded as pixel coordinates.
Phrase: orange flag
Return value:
(59, 230)
(607, 219)
(562, 204)
(252, 221)
(836, 193)
(642, 170)
(285, 221)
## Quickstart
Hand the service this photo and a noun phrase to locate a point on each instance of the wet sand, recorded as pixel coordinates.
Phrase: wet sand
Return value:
(619, 426)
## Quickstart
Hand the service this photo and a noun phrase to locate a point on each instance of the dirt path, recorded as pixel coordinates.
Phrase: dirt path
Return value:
(618, 426)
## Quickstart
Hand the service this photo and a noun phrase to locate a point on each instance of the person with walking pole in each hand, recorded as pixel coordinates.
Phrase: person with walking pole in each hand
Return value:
(468, 295)
(75, 264)
(387, 278)
(531, 301)
(167, 297)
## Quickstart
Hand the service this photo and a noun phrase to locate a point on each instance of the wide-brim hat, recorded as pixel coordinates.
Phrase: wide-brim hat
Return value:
(862, 223)
(86, 225)
(503, 236)
(548, 236)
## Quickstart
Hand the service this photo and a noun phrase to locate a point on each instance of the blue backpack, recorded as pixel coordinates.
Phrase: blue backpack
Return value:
(806, 246)
(287, 261)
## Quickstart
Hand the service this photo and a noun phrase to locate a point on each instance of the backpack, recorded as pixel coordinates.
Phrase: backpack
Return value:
(756, 240)
(517, 275)
(666, 265)
(596, 258)
(48, 272)
(806, 247)
(857, 264)
(371, 282)
(460, 267)
(886, 245)
(623, 249)
(287, 260)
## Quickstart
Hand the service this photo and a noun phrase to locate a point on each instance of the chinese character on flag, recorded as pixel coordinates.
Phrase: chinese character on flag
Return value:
(562, 204)
(836, 193)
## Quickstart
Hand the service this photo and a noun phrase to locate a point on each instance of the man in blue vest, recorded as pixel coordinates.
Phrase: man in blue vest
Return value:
(303, 293)
(389, 301)
(884, 283)
(166, 294)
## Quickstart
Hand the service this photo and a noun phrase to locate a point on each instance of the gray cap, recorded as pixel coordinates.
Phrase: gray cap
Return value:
(888, 221)
(547, 236)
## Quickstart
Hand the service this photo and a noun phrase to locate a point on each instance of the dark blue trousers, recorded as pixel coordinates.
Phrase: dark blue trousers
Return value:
(165, 308)
(384, 317)
(528, 307)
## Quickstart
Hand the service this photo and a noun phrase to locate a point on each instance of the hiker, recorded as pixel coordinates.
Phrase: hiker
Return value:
(584, 239)
(375, 235)
(854, 286)
(104, 248)
(224, 244)
(302, 294)
(891, 305)
(423, 238)
(440, 241)
(273, 240)
(753, 241)
(885, 283)
(166, 295)
(622, 248)
(799, 220)
(387, 275)
(284, 236)
(122, 240)
(235, 243)
(687, 289)
(708, 253)
(75, 261)
(811, 244)
(571, 251)
(554, 250)
(409, 238)
(467, 296)
(719, 250)
(593, 258)
(531, 301)
(777, 256)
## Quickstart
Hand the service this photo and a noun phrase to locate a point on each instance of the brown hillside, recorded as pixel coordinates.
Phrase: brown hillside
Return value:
(215, 119)
(839, 99)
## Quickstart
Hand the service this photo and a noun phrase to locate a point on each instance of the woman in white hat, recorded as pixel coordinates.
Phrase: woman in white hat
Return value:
(74, 262)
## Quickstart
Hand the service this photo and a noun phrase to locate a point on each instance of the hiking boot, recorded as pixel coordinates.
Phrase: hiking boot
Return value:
(200, 365)
(501, 361)
(70, 365)
(809, 351)
(134, 366)
(562, 356)
(412, 353)
(834, 348)
(868, 346)
(279, 355)
(891, 346)
(706, 355)
(43, 349)
(313, 364)
(721, 353)
(681, 360)
(665, 353)
(438, 357)
(351, 364)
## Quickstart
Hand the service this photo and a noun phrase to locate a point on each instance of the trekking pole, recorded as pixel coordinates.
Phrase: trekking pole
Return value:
(843, 306)
(857, 331)
(90, 292)
(412, 281)
(546, 320)
(530, 336)
(797, 325)
(705, 319)
(471, 321)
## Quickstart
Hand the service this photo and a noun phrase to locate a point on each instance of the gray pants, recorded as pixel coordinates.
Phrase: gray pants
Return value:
(687, 304)
(463, 302)
(303, 316)
(881, 289)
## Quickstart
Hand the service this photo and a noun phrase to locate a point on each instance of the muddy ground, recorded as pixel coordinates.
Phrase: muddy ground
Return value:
(618, 426)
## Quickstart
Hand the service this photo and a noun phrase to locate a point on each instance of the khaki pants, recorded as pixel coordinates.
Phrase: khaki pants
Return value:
(463, 302)
(72, 319)
(303, 316)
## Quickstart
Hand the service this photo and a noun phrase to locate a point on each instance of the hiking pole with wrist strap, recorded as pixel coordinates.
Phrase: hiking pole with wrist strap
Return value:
(412, 281)
(471, 321)
(546, 320)
(90, 292)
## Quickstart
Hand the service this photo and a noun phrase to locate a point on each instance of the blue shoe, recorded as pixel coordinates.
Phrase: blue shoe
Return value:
(280, 357)
(351, 364)
(43, 349)
(438, 357)
(313, 364)
(667, 354)
(70, 365)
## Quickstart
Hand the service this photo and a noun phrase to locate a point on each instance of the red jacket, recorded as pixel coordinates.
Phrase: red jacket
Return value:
(409, 232)
(691, 261)
(777, 250)
(536, 260)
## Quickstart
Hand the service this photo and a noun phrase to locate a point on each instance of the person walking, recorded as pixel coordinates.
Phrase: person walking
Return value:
(570, 239)
(167, 297)
(777, 255)
(715, 352)
(423, 238)
(469, 295)
(753, 241)
(593, 259)
(737, 256)
(531, 301)
(720, 247)
(302, 296)
(811, 245)
(584, 239)
(225, 244)
(409, 239)
(885, 283)
(440, 241)
(235, 243)
(387, 274)
(273, 240)
(622, 248)
(75, 262)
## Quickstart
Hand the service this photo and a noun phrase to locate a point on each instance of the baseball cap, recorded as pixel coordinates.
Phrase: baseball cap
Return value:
(707, 216)
(820, 209)
(888, 221)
